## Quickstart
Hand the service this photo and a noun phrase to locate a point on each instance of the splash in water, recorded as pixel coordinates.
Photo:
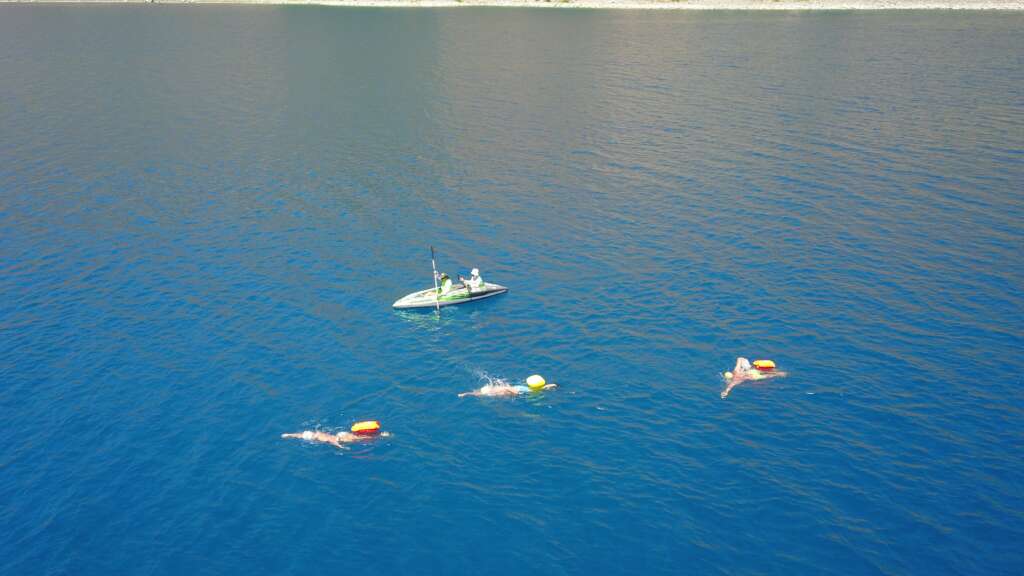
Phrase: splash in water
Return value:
(494, 385)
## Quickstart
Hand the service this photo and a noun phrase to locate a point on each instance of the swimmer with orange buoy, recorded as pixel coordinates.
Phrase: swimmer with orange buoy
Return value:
(499, 387)
(359, 431)
(744, 370)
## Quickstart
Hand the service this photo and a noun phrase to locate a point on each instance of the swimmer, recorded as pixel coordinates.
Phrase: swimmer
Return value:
(502, 388)
(333, 439)
(742, 372)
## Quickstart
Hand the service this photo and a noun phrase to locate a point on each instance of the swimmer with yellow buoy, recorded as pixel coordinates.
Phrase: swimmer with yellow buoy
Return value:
(499, 387)
(744, 370)
(360, 431)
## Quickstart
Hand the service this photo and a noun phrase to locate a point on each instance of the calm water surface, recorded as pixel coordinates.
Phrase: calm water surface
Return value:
(206, 212)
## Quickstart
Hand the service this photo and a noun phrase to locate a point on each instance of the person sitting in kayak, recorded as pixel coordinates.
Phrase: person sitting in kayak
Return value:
(475, 281)
(743, 371)
(333, 439)
(446, 283)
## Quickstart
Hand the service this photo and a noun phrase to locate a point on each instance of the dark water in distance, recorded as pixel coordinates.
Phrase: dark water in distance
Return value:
(206, 212)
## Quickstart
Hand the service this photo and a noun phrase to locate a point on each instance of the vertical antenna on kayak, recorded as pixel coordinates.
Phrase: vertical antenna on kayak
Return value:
(437, 302)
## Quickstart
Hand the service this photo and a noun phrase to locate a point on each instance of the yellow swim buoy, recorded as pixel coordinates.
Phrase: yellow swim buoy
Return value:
(535, 382)
(764, 365)
(366, 428)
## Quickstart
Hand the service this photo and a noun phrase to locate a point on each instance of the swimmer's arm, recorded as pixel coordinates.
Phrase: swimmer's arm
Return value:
(725, 393)
(471, 393)
(292, 435)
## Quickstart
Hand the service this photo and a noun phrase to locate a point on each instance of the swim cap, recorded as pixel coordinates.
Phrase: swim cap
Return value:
(535, 382)
(475, 272)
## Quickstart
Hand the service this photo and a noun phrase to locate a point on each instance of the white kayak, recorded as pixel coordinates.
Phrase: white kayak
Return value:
(457, 295)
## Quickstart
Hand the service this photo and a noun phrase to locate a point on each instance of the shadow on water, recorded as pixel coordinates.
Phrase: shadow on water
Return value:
(427, 319)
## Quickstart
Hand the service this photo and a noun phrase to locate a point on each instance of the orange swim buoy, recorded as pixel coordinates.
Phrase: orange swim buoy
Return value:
(367, 428)
(764, 365)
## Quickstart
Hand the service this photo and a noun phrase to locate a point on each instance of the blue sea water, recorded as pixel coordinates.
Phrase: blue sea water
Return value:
(206, 213)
